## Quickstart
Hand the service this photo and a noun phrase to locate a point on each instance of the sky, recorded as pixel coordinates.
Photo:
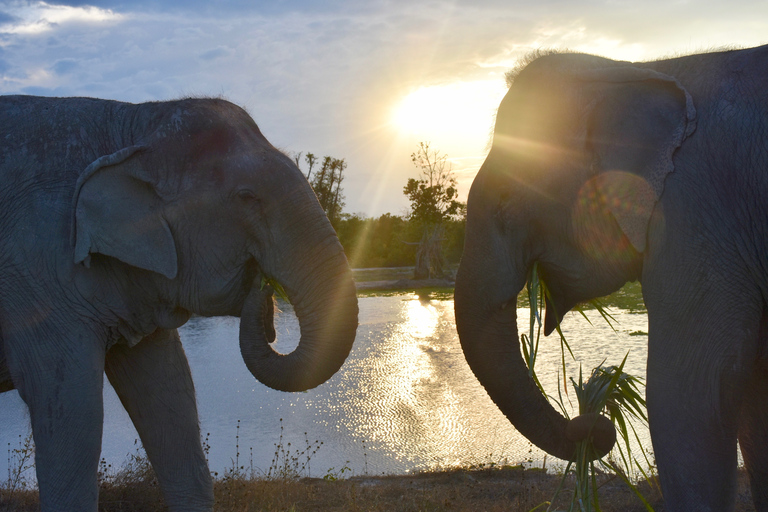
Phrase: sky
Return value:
(355, 79)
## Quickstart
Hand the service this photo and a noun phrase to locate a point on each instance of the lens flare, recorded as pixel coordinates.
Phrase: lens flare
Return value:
(611, 215)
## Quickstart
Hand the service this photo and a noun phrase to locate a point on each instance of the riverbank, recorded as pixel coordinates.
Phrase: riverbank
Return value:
(508, 489)
(386, 281)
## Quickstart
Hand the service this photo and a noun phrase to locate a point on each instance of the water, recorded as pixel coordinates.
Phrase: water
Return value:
(404, 400)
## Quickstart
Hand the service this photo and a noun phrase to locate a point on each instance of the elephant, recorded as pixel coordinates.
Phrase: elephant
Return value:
(117, 222)
(605, 172)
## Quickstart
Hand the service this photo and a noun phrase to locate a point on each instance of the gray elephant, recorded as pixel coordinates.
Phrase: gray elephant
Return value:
(605, 172)
(119, 221)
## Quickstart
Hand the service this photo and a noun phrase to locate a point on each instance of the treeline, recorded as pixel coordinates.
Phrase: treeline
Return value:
(326, 182)
(430, 237)
(392, 241)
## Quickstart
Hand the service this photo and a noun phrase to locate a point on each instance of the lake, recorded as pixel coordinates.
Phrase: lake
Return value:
(404, 400)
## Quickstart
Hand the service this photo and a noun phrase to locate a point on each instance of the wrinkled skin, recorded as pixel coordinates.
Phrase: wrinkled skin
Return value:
(605, 172)
(119, 221)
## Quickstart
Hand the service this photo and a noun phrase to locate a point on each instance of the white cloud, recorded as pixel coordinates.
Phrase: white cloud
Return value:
(39, 17)
(324, 79)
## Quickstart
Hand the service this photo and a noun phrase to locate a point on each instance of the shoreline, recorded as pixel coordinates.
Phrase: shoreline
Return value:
(403, 284)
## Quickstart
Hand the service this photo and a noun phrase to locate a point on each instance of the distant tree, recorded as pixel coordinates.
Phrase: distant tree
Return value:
(327, 186)
(375, 242)
(310, 159)
(434, 203)
(326, 183)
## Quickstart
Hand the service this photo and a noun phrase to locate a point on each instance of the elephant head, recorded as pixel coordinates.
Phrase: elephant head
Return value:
(581, 149)
(202, 213)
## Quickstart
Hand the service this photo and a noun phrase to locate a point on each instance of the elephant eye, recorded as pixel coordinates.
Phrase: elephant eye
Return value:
(246, 195)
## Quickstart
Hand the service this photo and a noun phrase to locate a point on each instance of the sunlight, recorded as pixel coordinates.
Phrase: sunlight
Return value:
(421, 319)
(411, 397)
(533, 149)
(460, 108)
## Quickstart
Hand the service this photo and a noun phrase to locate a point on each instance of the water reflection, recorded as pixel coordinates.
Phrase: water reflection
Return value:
(411, 407)
(405, 391)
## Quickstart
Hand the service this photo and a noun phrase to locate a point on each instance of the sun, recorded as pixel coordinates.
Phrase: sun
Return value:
(456, 110)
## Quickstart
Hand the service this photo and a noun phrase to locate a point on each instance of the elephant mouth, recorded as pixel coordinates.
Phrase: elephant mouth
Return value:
(267, 312)
(557, 301)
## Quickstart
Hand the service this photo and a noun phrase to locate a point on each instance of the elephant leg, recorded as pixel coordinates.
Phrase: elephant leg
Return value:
(698, 355)
(753, 435)
(60, 376)
(155, 385)
(693, 429)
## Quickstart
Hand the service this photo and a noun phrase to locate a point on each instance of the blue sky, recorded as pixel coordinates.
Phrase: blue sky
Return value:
(360, 80)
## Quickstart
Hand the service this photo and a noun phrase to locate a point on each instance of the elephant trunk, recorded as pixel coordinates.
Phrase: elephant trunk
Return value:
(486, 320)
(319, 284)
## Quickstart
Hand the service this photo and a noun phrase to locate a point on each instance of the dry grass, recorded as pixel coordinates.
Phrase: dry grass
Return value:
(507, 489)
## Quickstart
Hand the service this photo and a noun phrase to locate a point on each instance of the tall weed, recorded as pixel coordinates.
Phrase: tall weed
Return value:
(608, 390)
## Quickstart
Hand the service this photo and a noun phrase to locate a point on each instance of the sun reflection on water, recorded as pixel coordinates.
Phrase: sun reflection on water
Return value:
(421, 317)
(408, 392)
(412, 406)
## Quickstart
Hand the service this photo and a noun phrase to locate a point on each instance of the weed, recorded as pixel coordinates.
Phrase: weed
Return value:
(290, 463)
(608, 390)
(136, 469)
(206, 446)
(334, 475)
(20, 461)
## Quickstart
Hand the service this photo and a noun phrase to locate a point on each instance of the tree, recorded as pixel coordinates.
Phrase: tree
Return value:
(375, 242)
(433, 203)
(326, 183)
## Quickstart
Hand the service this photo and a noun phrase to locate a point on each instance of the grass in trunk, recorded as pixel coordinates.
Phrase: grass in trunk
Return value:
(609, 391)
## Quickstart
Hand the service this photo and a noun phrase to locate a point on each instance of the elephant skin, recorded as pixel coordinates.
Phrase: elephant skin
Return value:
(119, 221)
(605, 172)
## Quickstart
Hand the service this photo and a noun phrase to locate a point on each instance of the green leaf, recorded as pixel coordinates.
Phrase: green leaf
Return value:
(277, 288)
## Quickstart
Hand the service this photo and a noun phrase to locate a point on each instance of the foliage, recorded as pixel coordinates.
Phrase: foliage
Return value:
(433, 231)
(376, 242)
(433, 203)
(608, 390)
(433, 194)
(380, 242)
(288, 463)
(326, 183)
(20, 461)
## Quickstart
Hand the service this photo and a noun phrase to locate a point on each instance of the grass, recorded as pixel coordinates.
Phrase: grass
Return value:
(491, 489)
(608, 391)
(497, 489)
(285, 486)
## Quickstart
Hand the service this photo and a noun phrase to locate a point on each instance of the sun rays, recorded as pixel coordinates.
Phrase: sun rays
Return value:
(454, 111)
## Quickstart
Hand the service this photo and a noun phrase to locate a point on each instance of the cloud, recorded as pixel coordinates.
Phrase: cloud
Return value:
(215, 53)
(64, 66)
(40, 17)
(6, 18)
(325, 76)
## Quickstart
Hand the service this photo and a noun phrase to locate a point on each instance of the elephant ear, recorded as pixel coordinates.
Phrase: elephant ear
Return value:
(637, 119)
(117, 212)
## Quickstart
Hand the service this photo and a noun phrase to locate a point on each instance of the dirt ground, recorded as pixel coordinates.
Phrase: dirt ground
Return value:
(492, 490)
(488, 490)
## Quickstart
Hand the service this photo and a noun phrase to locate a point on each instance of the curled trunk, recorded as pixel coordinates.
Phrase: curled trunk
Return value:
(325, 302)
(489, 338)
